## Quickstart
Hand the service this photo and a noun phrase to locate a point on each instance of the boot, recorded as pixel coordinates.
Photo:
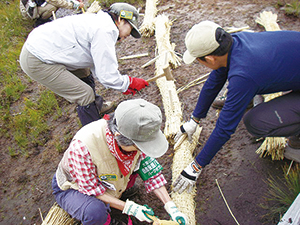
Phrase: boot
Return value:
(219, 103)
(104, 107)
(294, 142)
(88, 113)
(292, 149)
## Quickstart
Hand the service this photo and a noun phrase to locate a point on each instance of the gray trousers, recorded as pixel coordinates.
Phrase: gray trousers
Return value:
(46, 11)
(58, 79)
(279, 117)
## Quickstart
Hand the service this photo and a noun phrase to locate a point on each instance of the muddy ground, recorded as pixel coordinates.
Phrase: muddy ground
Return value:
(25, 190)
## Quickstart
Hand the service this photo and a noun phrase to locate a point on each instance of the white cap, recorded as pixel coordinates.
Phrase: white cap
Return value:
(200, 41)
(140, 121)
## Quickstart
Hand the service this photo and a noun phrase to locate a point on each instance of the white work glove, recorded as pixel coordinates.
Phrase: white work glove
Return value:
(187, 178)
(139, 211)
(175, 214)
(189, 128)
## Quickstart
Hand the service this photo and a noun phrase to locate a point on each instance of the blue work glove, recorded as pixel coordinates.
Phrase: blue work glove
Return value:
(139, 211)
(175, 214)
(187, 178)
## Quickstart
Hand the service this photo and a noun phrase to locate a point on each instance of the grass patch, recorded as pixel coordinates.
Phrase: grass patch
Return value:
(28, 126)
(293, 8)
(282, 193)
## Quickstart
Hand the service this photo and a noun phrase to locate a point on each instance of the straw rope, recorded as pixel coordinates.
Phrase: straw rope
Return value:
(147, 28)
(183, 150)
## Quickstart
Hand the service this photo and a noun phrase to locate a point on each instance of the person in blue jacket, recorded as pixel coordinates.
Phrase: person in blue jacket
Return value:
(253, 64)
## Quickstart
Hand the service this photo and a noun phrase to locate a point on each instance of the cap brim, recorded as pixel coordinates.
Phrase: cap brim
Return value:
(154, 148)
(188, 58)
(135, 31)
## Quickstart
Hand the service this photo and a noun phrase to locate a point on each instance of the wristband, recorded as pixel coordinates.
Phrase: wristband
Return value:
(195, 119)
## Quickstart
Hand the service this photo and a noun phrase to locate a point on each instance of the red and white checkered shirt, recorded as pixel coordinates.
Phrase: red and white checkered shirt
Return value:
(84, 172)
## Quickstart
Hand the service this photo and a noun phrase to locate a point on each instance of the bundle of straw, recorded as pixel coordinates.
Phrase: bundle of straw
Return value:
(58, 216)
(148, 26)
(183, 155)
(172, 106)
(94, 8)
(167, 88)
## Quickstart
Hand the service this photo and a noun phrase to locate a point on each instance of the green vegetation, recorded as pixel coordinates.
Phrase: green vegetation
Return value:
(22, 119)
(293, 8)
(282, 193)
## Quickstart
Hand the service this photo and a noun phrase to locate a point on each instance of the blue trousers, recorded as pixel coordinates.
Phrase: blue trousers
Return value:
(88, 209)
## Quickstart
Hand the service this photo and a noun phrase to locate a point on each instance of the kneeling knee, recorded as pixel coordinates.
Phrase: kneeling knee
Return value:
(95, 213)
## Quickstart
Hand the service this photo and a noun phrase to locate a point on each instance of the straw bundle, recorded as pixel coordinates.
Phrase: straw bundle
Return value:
(58, 216)
(167, 88)
(183, 155)
(172, 107)
(148, 26)
(273, 146)
(164, 47)
(94, 8)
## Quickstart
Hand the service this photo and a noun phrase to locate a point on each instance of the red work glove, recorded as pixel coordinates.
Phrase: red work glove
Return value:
(136, 84)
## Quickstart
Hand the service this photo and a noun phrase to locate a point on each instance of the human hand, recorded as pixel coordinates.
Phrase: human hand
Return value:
(129, 91)
(187, 178)
(189, 128)
(175, 214)
(137, 83)
(139, 211)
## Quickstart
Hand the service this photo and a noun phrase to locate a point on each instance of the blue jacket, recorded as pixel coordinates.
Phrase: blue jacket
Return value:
(258, 63)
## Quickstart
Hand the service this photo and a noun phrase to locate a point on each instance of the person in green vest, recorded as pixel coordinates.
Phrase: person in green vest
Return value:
(104, 159)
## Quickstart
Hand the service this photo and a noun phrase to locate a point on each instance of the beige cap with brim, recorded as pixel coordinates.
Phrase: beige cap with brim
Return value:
(140, 121)
(200, 41)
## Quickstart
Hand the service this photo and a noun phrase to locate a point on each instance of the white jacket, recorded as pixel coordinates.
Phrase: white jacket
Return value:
(81, 41)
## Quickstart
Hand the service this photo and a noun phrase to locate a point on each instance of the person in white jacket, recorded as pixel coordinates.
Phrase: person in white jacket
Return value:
(66, 54)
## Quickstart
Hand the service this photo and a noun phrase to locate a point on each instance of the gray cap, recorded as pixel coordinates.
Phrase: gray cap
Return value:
(140, 121)
(200, 41)
(128, 12)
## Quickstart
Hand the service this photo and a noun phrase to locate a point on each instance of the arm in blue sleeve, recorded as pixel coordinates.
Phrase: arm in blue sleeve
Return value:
(240, 93)
(209, 92)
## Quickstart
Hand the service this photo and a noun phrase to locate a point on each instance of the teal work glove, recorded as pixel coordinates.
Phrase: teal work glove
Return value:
(175, 214)
(139, 211)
